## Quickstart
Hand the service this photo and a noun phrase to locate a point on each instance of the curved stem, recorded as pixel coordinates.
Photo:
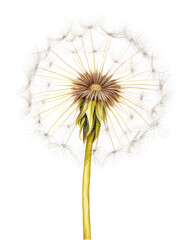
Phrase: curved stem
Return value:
(86, 183)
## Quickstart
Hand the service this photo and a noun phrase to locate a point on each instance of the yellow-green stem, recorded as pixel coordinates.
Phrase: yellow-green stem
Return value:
(86, 183)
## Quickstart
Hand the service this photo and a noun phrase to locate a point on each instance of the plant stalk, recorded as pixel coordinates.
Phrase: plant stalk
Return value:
(85, 188)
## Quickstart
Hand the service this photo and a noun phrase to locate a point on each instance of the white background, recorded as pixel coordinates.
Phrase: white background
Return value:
(146, 197)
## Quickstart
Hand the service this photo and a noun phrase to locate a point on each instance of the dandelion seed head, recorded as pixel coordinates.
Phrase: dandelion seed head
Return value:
(92, 62)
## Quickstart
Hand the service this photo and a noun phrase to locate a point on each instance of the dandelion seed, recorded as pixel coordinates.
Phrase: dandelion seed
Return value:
(92, 82)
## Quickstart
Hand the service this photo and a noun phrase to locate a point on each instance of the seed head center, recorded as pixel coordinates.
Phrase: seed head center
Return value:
(95, 87)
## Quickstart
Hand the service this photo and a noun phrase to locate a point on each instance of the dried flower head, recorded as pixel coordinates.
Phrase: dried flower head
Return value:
(93, 64)
(103, 83)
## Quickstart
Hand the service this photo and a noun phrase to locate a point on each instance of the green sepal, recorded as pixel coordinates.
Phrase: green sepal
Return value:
(85, 132)
(81, 125)
(100, 111)
(90, 115)
(83, 109)
(97, 128)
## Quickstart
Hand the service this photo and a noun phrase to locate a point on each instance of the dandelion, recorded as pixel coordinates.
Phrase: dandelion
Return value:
(95, 88)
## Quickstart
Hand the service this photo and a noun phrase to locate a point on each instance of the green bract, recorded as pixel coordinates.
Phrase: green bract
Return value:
(91, 114)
